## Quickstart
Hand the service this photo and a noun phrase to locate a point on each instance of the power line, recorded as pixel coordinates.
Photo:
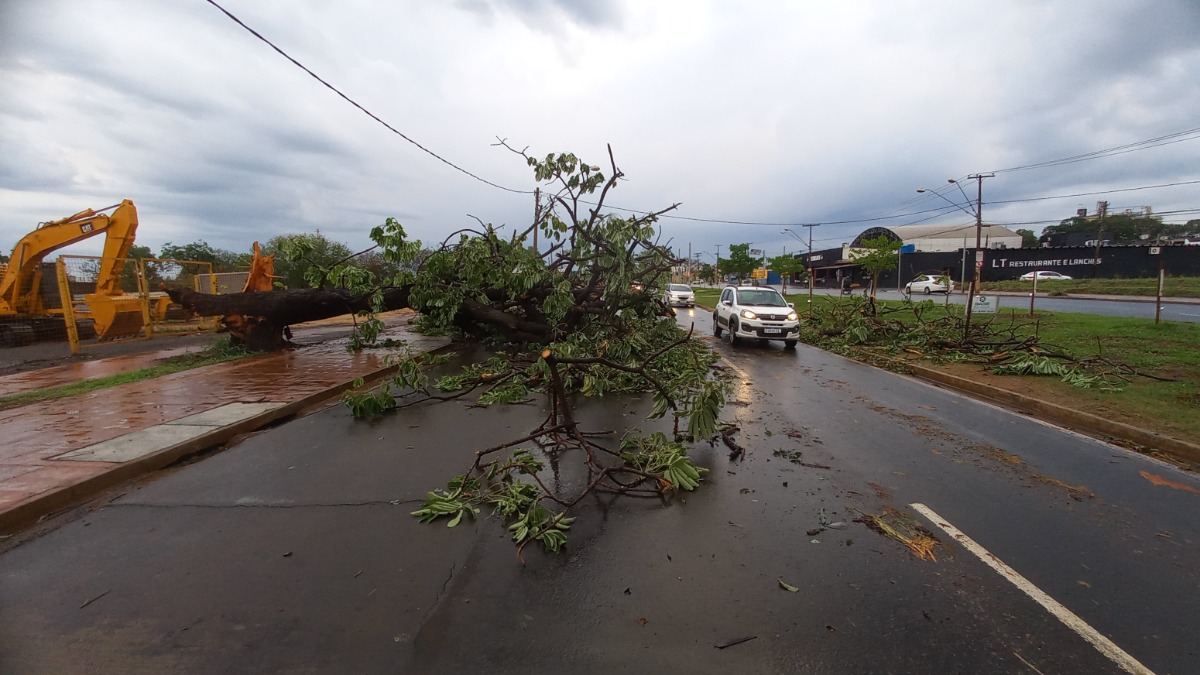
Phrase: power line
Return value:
(354, 103)
(1168, 139)
(1091, 194)
(1176, 137)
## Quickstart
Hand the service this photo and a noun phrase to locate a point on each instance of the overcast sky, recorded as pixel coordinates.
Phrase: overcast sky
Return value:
(768, 113)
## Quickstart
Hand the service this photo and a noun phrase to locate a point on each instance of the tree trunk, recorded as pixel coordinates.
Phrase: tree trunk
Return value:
(258, 318)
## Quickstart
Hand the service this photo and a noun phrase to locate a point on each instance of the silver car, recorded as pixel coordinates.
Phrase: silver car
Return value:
(679, 294)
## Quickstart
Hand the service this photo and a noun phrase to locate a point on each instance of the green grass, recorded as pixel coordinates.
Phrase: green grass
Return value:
(707, 296)
(1174, 287)
(218, 353)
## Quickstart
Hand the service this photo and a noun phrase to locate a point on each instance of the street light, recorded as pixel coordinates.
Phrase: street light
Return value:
(808, 258)
(978, 213)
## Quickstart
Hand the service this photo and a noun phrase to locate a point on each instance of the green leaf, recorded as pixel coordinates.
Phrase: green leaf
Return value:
(787, 587)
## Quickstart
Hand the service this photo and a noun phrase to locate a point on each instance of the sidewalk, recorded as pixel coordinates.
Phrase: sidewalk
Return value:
(58, 452)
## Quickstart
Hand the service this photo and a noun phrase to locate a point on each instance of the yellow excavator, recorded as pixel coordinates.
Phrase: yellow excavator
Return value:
(26, 317)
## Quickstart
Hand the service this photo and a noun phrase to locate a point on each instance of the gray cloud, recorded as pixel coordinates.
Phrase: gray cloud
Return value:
(768, 112)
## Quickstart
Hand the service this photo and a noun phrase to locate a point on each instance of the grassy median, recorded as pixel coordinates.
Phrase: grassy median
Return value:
(1173, 287)
(218, 353)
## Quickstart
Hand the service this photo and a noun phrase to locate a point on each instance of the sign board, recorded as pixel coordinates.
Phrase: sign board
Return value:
(979, 257)
(759, 273)
(984, 304)
(1154, 250)
(908, 248)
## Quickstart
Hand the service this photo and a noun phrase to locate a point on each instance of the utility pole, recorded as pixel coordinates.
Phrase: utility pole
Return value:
(808, 264)
(978, 242)
(808, 259)
(537, 215)
(1102, 210)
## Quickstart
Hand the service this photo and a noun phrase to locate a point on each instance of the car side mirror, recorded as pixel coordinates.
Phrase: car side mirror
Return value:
(792, 305)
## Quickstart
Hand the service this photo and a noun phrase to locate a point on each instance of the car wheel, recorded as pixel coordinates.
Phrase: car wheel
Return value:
(927, 290)
(716, 326)
(789, 344)
(733, 338)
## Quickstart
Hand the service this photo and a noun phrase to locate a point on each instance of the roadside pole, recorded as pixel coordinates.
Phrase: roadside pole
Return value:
(1162, 272)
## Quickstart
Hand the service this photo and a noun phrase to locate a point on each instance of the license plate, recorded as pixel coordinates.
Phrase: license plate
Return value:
(772, 331)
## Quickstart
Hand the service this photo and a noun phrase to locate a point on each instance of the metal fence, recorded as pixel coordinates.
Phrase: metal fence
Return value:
(224, 282)
(31, 309)
(103, 300)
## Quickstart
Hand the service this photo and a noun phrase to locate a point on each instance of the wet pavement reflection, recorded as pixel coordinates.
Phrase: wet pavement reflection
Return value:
(34, 434)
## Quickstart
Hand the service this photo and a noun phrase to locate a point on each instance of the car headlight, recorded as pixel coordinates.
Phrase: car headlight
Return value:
(792, 316)
(747, 314)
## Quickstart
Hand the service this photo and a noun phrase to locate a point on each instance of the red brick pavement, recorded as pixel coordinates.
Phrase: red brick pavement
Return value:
(31, 436)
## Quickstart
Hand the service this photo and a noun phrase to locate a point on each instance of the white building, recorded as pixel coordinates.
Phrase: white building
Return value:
(942, 238)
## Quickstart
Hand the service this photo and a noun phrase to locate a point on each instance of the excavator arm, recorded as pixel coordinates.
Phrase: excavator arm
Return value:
(20, 283)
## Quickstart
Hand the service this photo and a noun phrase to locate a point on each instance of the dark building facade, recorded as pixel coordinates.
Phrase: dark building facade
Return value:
(1080, 262)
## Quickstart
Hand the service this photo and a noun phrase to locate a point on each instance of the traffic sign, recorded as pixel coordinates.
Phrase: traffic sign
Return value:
(984, 304)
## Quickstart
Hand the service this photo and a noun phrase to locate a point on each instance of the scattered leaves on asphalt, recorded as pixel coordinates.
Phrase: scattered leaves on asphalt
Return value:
(735, 641)
(1155, 479)
(896, 524)
(787, 587)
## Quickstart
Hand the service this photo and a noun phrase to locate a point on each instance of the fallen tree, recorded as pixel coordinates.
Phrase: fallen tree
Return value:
(265, 314)
(577, 314)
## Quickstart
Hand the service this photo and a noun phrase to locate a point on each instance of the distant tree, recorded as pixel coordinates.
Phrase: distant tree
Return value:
(1192, 227)
(1028, 239)
(302, 259)
(374, 262)
(201, 251)
(129, 273)
(786, 265)
(707, 273)
(1069, 225)
(875, 256)
(739, 261)
(1119, 228)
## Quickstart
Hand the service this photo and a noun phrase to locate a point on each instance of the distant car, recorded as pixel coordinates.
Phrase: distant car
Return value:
(1044, 275)
(637, 287)
(679, 294)
(929, 283)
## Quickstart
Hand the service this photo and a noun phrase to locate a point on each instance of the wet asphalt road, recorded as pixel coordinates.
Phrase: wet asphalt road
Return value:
(294, 550)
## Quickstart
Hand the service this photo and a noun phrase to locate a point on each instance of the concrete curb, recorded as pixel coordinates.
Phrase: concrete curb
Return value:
(52, 502)
(1068, 417)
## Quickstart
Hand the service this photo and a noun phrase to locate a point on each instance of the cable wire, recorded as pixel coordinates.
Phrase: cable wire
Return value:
(1168, 139)
(354, 103)
(1177, 137)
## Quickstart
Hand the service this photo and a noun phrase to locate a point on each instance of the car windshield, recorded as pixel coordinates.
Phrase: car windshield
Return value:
(680, 288)
(762, 298)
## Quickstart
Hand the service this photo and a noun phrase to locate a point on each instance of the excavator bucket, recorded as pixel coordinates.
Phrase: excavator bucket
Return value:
(116, 316)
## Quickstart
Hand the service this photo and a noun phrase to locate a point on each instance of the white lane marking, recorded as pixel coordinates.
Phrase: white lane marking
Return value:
(745, 376)
(1102, 644)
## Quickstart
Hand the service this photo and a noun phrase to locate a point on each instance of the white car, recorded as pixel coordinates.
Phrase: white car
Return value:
(1044, 275)
(679, 294)
(755, 313)
(929, 283)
